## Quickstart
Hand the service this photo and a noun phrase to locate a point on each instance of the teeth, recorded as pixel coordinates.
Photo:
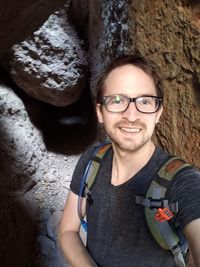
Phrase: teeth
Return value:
(131, 130)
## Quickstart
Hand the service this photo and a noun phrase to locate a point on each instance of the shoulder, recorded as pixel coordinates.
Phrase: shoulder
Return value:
(184, 189)
(94, 152)
(186, 177)
(84, 163)
(86, 155)
(80, 169)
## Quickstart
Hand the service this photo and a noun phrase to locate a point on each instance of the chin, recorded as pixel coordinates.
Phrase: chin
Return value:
(127, 146)
(130, 145)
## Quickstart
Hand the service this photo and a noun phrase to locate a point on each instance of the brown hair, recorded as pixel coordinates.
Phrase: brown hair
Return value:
(149, 67)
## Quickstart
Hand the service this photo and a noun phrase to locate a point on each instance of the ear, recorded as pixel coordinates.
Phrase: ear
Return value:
(99, 112)
(159, 113)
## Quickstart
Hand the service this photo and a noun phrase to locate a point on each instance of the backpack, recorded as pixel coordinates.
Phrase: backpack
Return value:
(158, 210)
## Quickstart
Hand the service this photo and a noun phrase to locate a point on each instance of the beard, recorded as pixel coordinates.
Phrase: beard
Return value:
(128, 143)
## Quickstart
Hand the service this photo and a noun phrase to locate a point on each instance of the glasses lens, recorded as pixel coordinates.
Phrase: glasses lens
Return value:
(116, 103)
(147, 104)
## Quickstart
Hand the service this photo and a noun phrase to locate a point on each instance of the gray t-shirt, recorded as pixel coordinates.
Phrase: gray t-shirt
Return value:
(118, 235)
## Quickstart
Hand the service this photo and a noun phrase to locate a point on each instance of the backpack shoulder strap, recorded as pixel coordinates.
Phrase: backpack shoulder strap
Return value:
(156, 202)
(89, 176)
(96, 158)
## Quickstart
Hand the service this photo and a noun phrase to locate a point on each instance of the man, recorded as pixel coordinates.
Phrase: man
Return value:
(129, 105)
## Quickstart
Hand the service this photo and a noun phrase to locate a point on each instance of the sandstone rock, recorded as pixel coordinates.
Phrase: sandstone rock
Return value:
(168, 33)
(51, 65)
(19, 19)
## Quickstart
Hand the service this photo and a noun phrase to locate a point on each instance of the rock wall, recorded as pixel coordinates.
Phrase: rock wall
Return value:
(34, 185)
(168, 32)
(108, 34)
(46, 121)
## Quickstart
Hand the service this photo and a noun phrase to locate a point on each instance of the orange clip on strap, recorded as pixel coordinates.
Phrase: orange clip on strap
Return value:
(163, 214)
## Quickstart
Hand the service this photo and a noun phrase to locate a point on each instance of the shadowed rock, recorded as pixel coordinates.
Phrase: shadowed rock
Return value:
(19, 19)
(26, 167)
(51, 66)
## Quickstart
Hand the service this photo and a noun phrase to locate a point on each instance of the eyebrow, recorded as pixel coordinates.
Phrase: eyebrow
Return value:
(146, 95)
(143, 95)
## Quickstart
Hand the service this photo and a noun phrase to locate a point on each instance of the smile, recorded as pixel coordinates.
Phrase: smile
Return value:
(130, 130)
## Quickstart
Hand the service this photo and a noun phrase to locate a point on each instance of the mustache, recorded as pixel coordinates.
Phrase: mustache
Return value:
(136, 124)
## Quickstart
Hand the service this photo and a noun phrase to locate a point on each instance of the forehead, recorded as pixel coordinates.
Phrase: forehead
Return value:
(130, 80)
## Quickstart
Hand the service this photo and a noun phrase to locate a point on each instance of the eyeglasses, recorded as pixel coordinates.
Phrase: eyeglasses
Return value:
(120, 103)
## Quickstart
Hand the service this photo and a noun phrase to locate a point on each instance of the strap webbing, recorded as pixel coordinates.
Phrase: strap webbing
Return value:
(89, 176)
(172, 243)
(94, 167)
(172, 167)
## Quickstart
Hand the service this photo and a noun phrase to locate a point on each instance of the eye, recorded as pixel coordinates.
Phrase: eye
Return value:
(145, 101)
(115, 99)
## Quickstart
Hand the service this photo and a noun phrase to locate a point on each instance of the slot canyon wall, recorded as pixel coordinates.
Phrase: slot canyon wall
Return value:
(50, 57)
(168, 32)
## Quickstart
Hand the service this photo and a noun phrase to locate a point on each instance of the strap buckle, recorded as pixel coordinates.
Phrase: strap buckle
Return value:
(158, 203)
(163, 214)
(153, 203)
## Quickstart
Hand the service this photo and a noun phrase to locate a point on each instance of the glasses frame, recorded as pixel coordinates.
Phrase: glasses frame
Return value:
(131, 99)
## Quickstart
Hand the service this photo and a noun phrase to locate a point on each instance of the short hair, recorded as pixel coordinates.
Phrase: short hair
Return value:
(148, 66)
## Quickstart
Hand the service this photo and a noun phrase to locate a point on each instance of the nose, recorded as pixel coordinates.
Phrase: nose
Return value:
(131, 113)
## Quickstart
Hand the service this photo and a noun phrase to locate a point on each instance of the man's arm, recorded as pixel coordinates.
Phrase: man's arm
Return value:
(70, 241)
(192, 233)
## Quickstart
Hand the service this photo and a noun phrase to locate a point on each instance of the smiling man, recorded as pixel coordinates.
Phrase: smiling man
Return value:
(129, 98)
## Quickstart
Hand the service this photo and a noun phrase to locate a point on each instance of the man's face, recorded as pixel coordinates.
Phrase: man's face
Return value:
(129, 130)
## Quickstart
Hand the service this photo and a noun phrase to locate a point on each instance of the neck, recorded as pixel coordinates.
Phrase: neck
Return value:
(127, 163)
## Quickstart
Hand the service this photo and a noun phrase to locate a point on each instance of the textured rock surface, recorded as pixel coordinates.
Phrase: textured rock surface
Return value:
(51, 65)
(108, 33)
(20, 142)
(168, 32)
(18, 20)
(33, 188)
